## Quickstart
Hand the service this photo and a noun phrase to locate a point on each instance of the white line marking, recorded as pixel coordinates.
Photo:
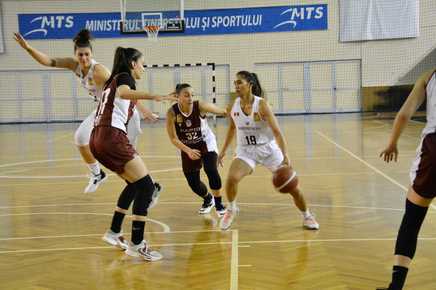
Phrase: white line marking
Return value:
(214, 243)
(196, 203)
(244, 246)
(99, 235)
(367, 164)
(165, 227)
(74, 176)
(244, 266)
(234, 261)
(79, 159)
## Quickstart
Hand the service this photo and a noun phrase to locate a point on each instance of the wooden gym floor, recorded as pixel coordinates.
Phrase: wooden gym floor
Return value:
(50, 232)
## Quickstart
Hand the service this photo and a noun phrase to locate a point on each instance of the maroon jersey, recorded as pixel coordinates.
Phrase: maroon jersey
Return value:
(112, 111)
(188, 127)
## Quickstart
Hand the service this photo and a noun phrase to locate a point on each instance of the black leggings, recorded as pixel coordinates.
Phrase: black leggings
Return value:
(210, 166)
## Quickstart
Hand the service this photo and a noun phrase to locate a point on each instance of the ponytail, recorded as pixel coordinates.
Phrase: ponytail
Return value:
(256, 88)
(83, 39)
(123, 59)
(253, 80)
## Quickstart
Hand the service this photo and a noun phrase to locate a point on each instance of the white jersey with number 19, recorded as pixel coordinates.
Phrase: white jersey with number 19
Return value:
(250, 130)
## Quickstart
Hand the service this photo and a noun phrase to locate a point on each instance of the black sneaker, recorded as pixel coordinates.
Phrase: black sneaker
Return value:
(207, 205)
(220, 209)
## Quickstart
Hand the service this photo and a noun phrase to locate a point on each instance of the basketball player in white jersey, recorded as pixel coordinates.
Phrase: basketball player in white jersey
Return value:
(188, 130)
(422, 190)
(259, 141)
(92, 76)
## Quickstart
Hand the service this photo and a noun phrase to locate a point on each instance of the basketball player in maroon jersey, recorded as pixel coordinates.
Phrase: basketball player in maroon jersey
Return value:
(188, 130)
(111, 147)
(422, 189)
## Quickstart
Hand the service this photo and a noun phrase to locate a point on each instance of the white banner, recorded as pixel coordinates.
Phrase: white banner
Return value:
(378, 19)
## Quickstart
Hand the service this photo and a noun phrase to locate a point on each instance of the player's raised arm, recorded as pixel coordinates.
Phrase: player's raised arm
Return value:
(65, 62)
(211, 108)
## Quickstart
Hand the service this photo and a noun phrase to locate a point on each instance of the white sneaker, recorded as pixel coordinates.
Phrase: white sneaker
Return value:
(95, 181)
(142, 250)
(115, 239)
(156, 195)
(207, 206)
(310, 223)
(228, 218)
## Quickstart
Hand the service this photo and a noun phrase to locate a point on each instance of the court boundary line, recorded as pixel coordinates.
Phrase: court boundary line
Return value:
(165, 227)
(77, 159)
(75, 176)
(367, 164)
(171, 170)
(100, 234)
(234, 261)
(196, 203)
(290, 241)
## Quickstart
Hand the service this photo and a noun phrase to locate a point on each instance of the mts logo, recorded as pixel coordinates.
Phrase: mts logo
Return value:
(57, 21)
(44, 23)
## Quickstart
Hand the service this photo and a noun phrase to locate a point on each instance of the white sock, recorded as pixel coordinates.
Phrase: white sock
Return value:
(95, 168)
(306, 213)
(232, 205)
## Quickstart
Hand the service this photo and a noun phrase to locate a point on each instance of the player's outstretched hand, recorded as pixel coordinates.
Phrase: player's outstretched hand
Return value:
(220, 159)
(390, 153)
(21, 41)
(151, 117)
(286, 161)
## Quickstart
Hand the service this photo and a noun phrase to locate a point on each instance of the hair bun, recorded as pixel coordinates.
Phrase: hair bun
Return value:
(83, 36)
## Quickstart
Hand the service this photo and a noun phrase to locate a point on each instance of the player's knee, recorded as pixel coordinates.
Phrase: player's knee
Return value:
(233, 179)
(214, 179)
(80, 138)
(195, 183)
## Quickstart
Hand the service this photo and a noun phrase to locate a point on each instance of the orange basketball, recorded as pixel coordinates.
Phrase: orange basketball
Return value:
(285, 179)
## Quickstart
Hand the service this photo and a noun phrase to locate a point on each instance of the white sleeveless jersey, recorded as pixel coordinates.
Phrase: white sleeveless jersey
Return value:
(87, 81)
(250, 130)
(431, 105)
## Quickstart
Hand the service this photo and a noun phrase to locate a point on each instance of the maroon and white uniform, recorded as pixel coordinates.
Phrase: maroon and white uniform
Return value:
(109, 143)
(193, 131)
(423, 171)
(83, 132)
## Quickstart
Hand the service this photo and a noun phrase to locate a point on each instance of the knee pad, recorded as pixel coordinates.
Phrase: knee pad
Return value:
(409, 229)
(126, 196)
(144, 192)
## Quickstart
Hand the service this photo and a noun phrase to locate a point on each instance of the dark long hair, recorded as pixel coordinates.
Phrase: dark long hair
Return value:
(251, 78)
(180, 87)
(83, 39)
(123, 60)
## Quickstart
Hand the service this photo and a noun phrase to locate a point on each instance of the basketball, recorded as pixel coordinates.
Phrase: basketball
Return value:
(285, 179)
